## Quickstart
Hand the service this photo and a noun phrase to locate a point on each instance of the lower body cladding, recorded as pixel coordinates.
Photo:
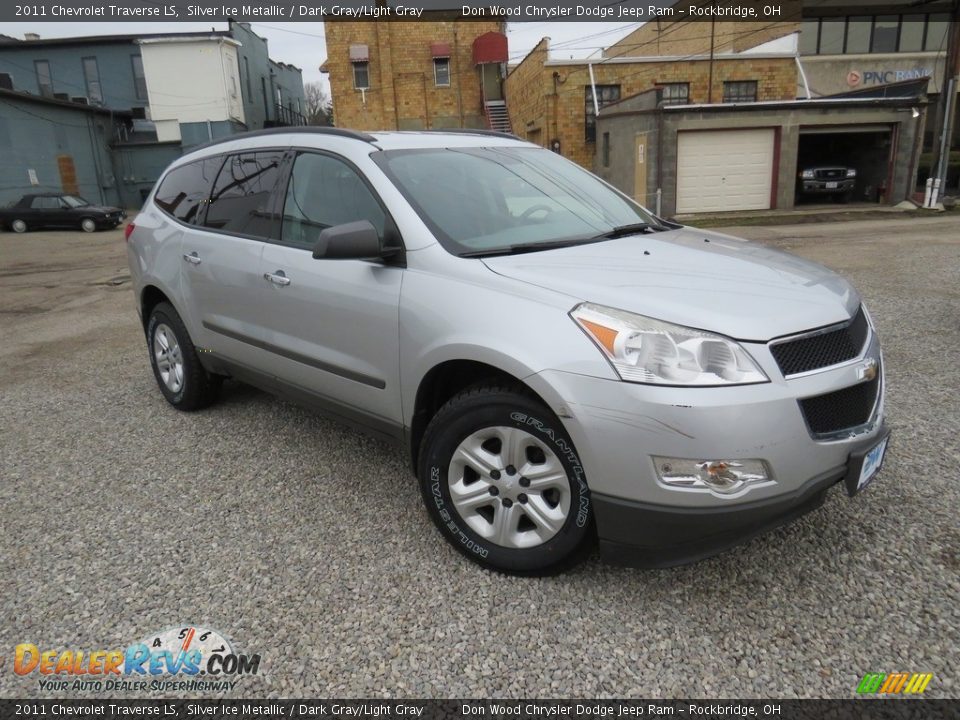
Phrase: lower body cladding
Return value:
(679, 474)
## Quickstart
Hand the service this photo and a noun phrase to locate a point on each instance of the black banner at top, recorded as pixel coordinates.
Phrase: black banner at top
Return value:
(39, 11)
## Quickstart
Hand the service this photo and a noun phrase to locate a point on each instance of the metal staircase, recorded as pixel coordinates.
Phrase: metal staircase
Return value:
(497, 116)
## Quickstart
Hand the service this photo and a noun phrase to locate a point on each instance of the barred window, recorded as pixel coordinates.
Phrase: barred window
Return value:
(740, 91)
(676, 93)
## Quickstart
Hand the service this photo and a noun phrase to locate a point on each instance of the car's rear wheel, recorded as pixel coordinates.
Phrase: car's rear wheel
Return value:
(88, 225)
(182, 379)
(18, 225)
(503, 483)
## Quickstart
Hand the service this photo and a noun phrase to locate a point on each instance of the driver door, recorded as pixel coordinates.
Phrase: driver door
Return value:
(334, 324)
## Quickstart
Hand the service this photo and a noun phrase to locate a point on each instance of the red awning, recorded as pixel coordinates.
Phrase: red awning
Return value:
(490, 47)
(440, 50)
(359, 53)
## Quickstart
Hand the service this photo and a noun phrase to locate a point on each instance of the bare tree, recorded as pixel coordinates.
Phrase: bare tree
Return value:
(319, 110)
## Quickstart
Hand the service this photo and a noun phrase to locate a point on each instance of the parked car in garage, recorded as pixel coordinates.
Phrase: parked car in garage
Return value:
(559, 363)
(834, 181)
(37, 211)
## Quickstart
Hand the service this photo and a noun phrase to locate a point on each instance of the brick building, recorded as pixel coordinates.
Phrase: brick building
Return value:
(551, 101)
(438, 73)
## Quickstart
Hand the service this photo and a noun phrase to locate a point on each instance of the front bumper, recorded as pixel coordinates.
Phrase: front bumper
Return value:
(651, 536)
(812, 187)
(618, 427)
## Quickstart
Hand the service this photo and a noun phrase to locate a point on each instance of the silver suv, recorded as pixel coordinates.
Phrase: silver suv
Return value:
(560, 364)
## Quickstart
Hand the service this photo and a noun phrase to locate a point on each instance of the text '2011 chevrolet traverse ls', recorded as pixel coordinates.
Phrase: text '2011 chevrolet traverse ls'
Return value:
(559, 363)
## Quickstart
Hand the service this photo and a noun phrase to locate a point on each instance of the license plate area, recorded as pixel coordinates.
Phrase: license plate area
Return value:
(831, 186)
(863, 466)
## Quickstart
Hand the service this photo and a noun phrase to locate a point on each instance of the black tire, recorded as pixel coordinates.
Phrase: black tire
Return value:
(490, 406)
(18, 225)
(198, 388)
(88, 225)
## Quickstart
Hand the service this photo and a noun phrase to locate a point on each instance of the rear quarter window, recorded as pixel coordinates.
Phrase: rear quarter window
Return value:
(184, 190)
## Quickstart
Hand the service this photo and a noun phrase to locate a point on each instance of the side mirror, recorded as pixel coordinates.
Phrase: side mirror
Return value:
(351, 241)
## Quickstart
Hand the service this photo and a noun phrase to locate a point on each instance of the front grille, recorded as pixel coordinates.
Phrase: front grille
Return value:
(831, 173)
(823, 349)
(842, 409)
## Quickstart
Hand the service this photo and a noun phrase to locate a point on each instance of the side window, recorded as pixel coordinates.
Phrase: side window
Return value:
(185, 189)
(240, 201)
(323, 192)
(45, 203)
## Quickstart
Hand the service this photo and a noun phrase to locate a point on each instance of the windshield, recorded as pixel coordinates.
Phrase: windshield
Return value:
(74, 201)
(477, 200)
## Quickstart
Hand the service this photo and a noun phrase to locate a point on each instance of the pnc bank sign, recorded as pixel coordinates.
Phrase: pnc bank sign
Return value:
(856, 78)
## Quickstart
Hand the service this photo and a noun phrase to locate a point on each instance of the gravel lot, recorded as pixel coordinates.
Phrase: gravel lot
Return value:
(306, 542)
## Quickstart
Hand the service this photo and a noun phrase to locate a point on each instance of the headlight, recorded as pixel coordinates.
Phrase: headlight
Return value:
(645, 350)
(851, 172)
(807, 174)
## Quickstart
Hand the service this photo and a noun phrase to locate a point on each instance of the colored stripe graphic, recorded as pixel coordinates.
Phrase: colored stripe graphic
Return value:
(894, 683)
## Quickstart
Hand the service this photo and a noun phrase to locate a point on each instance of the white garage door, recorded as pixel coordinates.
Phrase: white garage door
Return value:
(721, 170)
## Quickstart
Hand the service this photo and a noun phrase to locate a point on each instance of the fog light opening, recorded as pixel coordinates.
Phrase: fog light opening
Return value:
(720, 477)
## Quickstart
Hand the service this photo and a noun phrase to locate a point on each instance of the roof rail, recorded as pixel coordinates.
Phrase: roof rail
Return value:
(286, 130)
(472, 131)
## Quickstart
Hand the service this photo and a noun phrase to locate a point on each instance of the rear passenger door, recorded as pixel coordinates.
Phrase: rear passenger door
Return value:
(333, 324)
(227, 207)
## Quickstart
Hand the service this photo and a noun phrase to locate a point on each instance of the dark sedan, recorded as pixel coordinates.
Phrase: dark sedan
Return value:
(56, 210)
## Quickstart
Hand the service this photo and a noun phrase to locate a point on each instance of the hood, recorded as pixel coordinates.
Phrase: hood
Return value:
(695, 278)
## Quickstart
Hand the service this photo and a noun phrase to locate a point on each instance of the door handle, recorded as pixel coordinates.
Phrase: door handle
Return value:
(277, 278)
(192, 258)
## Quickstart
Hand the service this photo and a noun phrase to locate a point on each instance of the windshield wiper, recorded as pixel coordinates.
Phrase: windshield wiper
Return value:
(632, 229)
(530, 247)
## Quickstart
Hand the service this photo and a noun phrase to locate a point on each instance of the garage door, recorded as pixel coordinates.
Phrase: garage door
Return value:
(721, 170)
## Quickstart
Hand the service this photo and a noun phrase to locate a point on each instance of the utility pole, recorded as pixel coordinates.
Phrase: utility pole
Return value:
(710, 80)
(948, 106)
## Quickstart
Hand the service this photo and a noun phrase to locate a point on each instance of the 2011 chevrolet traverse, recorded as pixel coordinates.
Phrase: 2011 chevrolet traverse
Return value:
(558, 362)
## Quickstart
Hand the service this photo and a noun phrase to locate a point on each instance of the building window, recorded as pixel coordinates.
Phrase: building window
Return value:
(809, 37)
(605, 152)
(139, 79)
(875, 33)
(937, 27)
(911, 33)
(606, 94)
(740, 91)
(361, 75)
(441, 71)
(246, 72)
(91, 76)
(44, 78)
(676, 93)
(886, 28)
(831, 37)
(858, 34)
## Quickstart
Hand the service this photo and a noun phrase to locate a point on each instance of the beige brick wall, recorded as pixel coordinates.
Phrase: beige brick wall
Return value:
(403, 93)
(558, 110)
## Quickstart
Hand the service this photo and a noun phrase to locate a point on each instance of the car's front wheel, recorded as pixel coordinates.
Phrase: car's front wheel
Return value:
(18, 225)
(88, 225)
(503, 483)
(184, 382)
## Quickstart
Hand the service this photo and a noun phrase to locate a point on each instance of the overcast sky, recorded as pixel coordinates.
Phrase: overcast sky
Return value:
(301, 43)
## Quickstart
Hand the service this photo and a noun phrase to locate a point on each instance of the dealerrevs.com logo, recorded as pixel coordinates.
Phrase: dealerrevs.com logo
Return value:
(185, 658)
